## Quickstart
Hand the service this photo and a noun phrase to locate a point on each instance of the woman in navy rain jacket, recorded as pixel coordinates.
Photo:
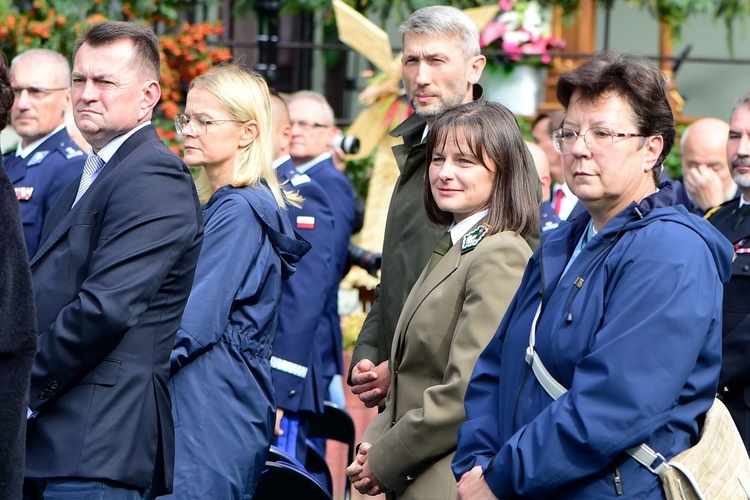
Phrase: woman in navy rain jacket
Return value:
(630, 316)
(222, 393)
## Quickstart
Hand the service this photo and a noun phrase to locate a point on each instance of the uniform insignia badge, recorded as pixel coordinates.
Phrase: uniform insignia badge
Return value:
(471, 240)
(71, 152)
(305, 222)
(299, 179)
(38, 157)
(24, 193)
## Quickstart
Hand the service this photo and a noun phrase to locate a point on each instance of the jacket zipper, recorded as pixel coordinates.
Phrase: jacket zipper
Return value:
(617, 480)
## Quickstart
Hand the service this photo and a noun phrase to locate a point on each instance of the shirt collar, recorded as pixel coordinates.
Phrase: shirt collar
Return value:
(23, 152)
(310, 164)
(108, 151)
(280, 161)
(459, 229)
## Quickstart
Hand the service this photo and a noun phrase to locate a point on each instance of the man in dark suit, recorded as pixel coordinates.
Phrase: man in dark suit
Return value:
(46, 159)
(297, 367)
(111, 279)
(733, 220)
(312, 133)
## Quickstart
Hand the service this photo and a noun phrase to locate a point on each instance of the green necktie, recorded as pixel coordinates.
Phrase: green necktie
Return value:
(441, 249)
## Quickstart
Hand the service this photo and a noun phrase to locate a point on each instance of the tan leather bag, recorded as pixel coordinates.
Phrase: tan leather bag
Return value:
(716, 468)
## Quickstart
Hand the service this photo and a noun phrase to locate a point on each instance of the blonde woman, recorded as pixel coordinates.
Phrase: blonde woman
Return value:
(223, 401)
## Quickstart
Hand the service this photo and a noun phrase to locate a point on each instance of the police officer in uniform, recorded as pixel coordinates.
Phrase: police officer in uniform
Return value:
(46, 159)
(733, 220)
(297, 362)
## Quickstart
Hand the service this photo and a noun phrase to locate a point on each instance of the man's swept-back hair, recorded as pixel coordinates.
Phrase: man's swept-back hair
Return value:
(633, 79)
(493, 137)
(742, 102)
(441, 22)
(146, 44)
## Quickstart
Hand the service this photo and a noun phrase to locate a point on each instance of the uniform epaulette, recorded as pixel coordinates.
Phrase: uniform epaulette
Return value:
(711, 211)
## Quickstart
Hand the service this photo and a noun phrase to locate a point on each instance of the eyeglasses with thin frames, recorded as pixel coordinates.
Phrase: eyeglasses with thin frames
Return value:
(597, 139)
(305, 125)
(198, 123)
(35, 92)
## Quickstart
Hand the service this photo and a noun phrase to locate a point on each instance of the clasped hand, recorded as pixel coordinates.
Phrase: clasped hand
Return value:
(360, 473)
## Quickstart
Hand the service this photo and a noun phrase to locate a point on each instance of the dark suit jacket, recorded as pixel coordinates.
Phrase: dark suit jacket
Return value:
(734, 381)
(17, 341)
(39, 178)
(111, 279)
(297, 370)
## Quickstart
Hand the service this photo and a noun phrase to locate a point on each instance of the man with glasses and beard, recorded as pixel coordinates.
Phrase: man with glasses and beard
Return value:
(732, 220)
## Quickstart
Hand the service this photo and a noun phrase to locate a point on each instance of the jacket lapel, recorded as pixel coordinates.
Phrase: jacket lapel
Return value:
(62, 217)
(424, 286)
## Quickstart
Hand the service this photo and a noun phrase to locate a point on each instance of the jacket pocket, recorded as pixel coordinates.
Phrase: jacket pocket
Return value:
(104, 374)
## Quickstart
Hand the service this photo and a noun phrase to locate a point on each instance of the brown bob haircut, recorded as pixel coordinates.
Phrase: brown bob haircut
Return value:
(633, 79)
(493, 137)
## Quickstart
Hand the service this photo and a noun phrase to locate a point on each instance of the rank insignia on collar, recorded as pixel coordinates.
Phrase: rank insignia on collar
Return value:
(71, 152)
(24, 193)
(38, 157)
(299, 179)
(471, 240)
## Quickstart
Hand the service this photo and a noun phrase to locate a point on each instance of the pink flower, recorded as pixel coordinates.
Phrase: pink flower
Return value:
(506, 5)
(491, 32)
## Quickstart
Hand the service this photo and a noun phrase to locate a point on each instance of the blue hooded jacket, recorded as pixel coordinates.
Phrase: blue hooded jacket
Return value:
(223, 401)
(633, 330)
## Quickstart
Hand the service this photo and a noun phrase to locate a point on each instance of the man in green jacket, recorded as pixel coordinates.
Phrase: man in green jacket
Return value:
(441, 64)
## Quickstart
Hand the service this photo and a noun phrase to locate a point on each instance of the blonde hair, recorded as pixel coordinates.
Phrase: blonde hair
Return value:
(245, 96)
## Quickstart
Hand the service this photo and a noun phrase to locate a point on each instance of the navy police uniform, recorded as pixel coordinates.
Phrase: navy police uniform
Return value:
(548, 219)
(339, 190)
(296, 358)
(40, 177)
(734, 382)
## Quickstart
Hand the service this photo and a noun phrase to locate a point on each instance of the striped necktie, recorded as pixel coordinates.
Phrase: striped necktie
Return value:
(441, 249)
(93, 164)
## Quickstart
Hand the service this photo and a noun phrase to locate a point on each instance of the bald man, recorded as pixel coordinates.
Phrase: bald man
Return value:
(548, 220)
(705, 170)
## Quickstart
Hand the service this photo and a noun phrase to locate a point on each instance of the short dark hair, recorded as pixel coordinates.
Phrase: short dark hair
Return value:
(146, 44)
(6, 92)
(636, 81)
(493, 135)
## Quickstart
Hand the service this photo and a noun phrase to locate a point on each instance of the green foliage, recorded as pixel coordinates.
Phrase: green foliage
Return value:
(359, 172)
(676, 13)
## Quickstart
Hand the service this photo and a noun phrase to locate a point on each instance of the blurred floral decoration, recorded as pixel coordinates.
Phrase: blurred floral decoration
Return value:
(187, 50)
(519, 34)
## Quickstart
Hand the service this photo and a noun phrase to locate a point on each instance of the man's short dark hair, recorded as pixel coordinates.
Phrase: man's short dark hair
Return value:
(633, 79)
(146, 53)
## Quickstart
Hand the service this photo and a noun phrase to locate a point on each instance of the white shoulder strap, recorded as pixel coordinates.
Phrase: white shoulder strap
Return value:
(643, 454)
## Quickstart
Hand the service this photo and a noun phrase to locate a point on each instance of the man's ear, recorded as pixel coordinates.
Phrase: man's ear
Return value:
(476, 65)
(150, 98)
